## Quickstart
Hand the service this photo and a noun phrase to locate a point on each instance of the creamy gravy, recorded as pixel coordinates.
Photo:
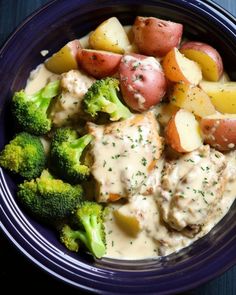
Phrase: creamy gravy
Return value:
(125, 154)
(38, 79)
(154, 238)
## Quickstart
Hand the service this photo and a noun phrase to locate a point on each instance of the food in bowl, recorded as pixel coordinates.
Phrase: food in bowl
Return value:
(138, 165)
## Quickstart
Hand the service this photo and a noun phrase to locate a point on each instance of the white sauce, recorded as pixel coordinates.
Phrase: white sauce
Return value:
(155, 239)
(125, 153)
(143, 191)
(149, 63)
(67, 107)
(39, 78)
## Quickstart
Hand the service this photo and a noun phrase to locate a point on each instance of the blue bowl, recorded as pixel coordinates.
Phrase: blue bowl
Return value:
(50, 28)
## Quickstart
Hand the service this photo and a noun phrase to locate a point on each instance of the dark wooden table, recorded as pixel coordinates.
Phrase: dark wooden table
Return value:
(16, 272)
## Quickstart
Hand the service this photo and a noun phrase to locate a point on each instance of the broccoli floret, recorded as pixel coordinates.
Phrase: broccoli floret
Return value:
(30, 111)
(66, 152)
(49, 199)
(102, 97)
(24, 155)
(90, 230)
(70, 238)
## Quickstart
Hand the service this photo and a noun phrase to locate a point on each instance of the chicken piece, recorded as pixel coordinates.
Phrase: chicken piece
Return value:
(76, 82)
(67, 108)
(190, 189)
(125, 154)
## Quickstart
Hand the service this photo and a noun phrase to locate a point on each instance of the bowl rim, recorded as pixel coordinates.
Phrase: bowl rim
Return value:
(16, 237)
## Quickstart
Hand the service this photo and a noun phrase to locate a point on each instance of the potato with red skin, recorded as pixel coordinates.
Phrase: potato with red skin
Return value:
(191, 98)
(219, 131)
(222, 95)
(182, 132)
(142, 81)
(98, 63)
(207, 57)
(155, 36)
(178, 68)
(65, 59)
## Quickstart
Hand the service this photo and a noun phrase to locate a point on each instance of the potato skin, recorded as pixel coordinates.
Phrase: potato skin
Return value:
(192, 98)
(109, 36)
(64, 60)
(155, 36)
(217, 65)
(142, 81)
(178, 68)
(182, 132)
(222, 94)
(98, 63)
(219, 133)
(172, 136)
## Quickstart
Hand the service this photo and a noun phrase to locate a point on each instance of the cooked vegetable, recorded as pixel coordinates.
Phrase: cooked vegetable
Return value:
(102, 96)
(66, 152)
(109, 36)
(183, 132)
(65, 59)
(220, 131)
(30, 111)
(206, 56)
(178, 68)
(24, 155)
(89, 230)
(192, 98)
(99, 63)
(127, 221)
(155, 36)
(49, 199)
(222, 95)
(164, 112)
(142, 81)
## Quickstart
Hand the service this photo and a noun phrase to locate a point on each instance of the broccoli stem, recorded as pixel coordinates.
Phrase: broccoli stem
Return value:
(120, 110)
(91, 237)
(50, 90)
(42, 98)
(80, 144)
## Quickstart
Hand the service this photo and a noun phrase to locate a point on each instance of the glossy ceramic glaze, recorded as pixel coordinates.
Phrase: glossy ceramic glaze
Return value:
(50, 28)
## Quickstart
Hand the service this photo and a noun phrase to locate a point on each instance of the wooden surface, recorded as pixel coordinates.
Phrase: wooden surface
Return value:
(16, 272)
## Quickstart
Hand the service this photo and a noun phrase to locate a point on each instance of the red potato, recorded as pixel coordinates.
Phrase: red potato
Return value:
(155, 36)
(178, 68)
(192, 98)
(207, 57)
(98, 63)
(64, 60)
(142, 81)
(220, 131)
(183, 132)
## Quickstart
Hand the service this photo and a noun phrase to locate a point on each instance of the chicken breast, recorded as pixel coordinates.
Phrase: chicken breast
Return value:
(125, 153)
(67, 108)
(190, 189)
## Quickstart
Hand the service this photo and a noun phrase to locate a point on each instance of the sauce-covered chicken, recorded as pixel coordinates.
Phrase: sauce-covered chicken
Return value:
(125, 154)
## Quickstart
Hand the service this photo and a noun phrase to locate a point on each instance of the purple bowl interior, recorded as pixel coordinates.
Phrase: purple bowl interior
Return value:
(50, 28)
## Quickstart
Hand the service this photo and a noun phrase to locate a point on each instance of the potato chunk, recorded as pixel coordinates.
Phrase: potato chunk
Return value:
(183, 132)
(222, 95)
(127, 220)
(65, 59)
(178, 68)
(192, 99)
(109, 36)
